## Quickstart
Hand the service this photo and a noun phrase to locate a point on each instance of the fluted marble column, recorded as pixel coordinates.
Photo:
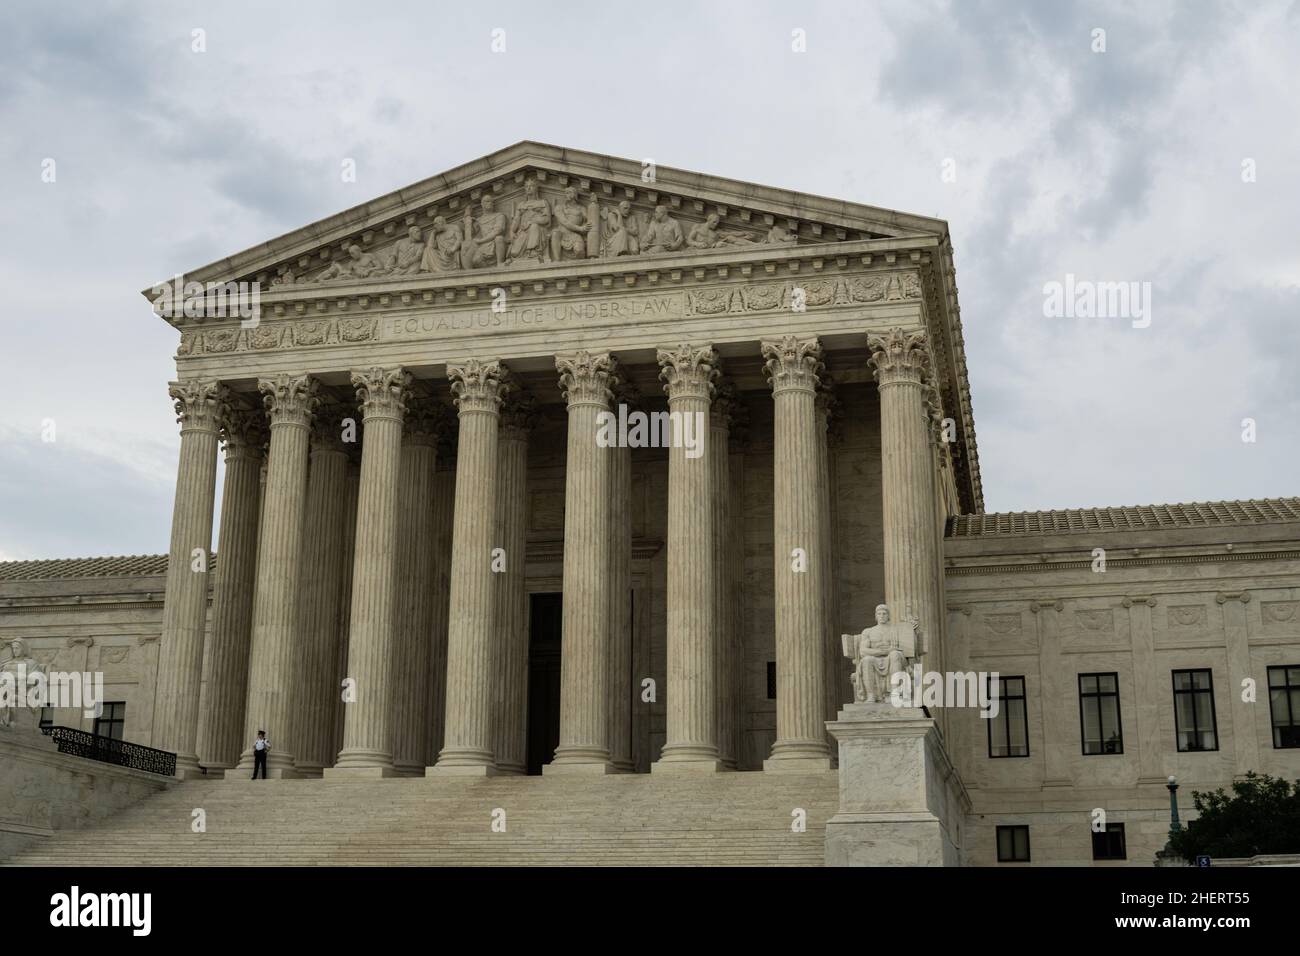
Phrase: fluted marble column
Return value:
(793, 366)
(321, 594)
(225, 689)
(621, 686)
(585, 379)
(444, 501)
(471, 659)
(510, 701)
(351, 492)
(367, 748)
(199, 409)
(688, 373)
(735, 595)
(409, 701)
(724, 403)
(274, 667)
(911, 586)
(838, 691)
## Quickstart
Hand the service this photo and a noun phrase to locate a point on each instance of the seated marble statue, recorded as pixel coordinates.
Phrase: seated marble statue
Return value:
(878, 653)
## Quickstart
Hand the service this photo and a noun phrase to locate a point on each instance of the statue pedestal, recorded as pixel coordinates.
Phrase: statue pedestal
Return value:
(901, 801)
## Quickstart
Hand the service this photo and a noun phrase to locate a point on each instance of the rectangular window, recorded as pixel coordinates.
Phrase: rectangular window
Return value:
(111, 721)
(1013, 844)
(1284, 704)
(1194, 711)
(1009, 730)
(771, 680)
(1109, 843)
(1099, 714)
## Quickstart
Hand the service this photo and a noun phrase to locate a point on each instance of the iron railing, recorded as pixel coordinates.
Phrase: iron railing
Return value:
(82, 743)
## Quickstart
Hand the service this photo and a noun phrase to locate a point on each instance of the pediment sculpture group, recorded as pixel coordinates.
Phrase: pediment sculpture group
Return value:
(536, 233)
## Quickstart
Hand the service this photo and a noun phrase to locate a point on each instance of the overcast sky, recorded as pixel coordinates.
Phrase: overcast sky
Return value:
(1123, 165)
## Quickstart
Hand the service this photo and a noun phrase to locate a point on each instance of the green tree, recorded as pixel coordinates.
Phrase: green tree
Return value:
(1261, 815)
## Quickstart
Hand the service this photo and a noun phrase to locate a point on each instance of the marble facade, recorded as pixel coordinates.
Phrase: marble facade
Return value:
(409, 438)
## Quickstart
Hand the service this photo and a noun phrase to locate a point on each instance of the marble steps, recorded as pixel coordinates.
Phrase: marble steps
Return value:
(738, 819)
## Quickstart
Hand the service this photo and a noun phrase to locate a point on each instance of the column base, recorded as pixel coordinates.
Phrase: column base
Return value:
(363, 758)
(460, 770)
(408, 770)
(624, 766)
(187, 767)
(511, 770)
(575, 768)
(312, 770)
(684, 766)
(796, 764)
(245, 774)
(278, 767)
(798, 756)
(359, 773)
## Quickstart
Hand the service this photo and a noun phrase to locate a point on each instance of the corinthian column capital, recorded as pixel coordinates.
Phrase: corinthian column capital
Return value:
(586, 378)
(725, 403)
(479, 386)
(243, 430)
(688, 371)
(518, 416)
(899, 357)
(382, 392)
(793, 363)
(290, 399)
(327, 428)
(199, 405)
(427, 420)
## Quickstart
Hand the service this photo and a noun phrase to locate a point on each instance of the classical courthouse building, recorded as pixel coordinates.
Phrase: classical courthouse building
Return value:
(431, 563)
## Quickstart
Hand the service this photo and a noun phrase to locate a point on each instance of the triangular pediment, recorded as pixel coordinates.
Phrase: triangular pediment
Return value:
(549, 205)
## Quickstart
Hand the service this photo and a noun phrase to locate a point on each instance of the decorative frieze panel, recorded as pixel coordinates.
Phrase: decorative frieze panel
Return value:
(523, 312)
(1280, 617)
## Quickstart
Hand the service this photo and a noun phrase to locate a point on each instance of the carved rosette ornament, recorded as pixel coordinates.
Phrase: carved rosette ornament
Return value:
(244, 432)
(518, 416)
(586, 378)
(479, 386)
(382, 392)
(290, 399)
(899, 357)
(200, 406)
(793, 363)
(688, 371)
(427, 419)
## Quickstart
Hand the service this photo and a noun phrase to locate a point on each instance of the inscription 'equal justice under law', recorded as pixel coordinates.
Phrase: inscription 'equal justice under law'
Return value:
(664, 306)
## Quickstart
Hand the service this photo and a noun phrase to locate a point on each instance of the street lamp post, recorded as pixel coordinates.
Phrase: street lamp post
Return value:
(1174, 825)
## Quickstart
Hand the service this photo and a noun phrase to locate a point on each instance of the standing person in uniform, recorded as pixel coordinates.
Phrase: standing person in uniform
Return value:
(261, 746)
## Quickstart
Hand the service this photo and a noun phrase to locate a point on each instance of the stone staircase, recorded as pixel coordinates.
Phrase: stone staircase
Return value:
(625, 820)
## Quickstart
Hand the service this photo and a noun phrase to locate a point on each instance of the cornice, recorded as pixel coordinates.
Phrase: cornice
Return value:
(1027, 567)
